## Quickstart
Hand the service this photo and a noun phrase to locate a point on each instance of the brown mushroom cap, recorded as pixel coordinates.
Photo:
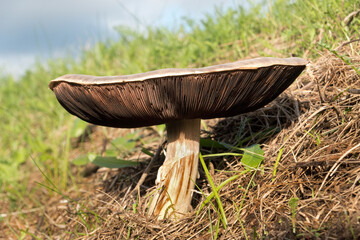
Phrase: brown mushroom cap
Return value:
(165, 95)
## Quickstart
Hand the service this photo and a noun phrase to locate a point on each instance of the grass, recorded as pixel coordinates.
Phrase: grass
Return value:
(34, 128)
(214, 192)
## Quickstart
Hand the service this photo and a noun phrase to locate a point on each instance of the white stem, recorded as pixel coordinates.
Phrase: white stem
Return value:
(176, 177)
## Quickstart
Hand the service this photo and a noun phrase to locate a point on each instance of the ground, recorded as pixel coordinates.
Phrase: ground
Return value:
(307, 188)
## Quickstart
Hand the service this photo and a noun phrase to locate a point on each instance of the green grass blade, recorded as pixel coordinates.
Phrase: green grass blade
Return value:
(113, 162)
(217, 197)
(247, 189)
(223, 155)
(277, 163)
(212, 194)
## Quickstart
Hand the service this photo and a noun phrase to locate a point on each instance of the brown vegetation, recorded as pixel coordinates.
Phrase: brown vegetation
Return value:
(316, 125)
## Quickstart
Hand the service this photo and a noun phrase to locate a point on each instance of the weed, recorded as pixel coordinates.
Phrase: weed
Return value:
(293, 203)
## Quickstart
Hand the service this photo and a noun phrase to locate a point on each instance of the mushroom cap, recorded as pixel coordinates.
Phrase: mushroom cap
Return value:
(166, 95)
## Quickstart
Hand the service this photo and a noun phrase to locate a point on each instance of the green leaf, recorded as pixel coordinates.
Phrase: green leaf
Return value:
(113, 162)
(82, 160)
(92, 156)
(228, 146)
(78, 128)
(147, 152)
(123, 143)
(126, 143)
(111, 152)
(253, 156)
(209, 143)
(160, 129)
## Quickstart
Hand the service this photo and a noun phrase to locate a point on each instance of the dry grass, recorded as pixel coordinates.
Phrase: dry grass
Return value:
(315, 122)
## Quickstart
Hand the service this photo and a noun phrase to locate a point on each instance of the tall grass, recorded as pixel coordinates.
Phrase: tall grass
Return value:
(35, 128)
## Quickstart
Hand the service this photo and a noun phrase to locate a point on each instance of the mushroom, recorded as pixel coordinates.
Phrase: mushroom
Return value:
(179, 98)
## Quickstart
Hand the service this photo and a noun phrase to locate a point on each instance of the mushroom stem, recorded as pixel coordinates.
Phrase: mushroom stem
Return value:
(176, 177)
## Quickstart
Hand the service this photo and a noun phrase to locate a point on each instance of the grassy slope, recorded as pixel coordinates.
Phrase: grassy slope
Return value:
(35, 128)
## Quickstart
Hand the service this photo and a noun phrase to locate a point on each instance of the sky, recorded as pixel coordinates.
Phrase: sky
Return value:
(32, 30)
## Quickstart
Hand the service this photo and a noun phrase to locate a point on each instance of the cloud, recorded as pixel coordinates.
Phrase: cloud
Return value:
(41, 27)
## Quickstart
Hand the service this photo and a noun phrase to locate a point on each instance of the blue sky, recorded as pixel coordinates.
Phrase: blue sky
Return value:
(39, 29)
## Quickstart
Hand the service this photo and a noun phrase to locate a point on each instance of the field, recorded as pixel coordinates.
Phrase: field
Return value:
(306, 187)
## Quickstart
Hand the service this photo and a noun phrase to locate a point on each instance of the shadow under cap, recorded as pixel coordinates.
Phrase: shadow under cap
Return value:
(167, 95)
